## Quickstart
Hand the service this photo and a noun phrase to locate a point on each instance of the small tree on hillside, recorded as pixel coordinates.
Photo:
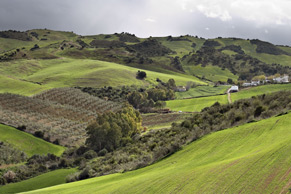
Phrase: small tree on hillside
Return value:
(141, 75)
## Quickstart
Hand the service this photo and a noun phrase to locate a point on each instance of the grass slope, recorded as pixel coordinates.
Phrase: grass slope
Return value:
(16, 86)
(253, 158)
(202, 91)
(45, 180)
(27, 142)
(76, 72)
(195, 104)
(250, 49)
(213, 73)
(254, 91)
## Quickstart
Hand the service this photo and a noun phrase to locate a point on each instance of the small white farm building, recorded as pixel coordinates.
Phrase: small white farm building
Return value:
(233, 89)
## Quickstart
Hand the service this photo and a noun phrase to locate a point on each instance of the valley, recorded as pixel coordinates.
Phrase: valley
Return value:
(115, 113)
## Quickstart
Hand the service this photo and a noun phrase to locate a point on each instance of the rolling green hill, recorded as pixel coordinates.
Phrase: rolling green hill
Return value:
(45, 180)
(253, 158)
(75, 72)
(28, 143)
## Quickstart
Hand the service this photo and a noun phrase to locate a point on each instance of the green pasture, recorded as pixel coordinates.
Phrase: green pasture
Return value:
(258, 90)
(76, 72)
(202, 91)
(27, 142)
(16, 86)
(213, 73)
(195, 104)
(252, 158)
(45, 180)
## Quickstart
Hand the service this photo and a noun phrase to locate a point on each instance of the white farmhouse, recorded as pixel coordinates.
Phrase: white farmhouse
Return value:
(233, 89)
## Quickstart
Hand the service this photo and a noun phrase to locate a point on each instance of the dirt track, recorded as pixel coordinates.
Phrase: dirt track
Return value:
(228, 96)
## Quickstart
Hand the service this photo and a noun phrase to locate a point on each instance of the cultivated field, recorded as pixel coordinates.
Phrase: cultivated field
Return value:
(252, 158)
(158, 121)
(60, 114)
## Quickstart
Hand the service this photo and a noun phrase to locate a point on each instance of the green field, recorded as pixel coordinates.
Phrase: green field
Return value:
(17, 86)
(195, 104)
(202, 91)
(254, 91)
(45, 180)
(213, 73)
(76, 72)
(27, 142)
(252, 158)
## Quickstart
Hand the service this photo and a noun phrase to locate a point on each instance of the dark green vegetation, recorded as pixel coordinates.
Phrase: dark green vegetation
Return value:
(112, 130)
(87, 93)
(144, 99)
(252, 158)
(10, 155)
(150, 147)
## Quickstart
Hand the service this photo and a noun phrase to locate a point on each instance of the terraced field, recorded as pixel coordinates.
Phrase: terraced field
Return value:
(200, 91)
(253, 158)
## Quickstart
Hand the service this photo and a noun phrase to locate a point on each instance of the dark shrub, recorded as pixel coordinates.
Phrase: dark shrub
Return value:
(90, 154)
(39, 134)
(141, 74)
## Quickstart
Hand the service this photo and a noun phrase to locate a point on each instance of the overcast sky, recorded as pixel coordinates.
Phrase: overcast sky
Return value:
(268, 20)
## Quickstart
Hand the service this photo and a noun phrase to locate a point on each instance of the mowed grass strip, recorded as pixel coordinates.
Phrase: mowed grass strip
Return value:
(45, 180)
(202, 91)
(27, 142)
(254, 91)
(195, 104)
(252, 158)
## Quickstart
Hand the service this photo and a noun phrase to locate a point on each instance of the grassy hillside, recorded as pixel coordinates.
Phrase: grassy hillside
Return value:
(28, 143)
(250, 49)
(254, 91)
(253, 158)
(195, 104)
(202, 91)
(17, 86)
(210, 72)
(68, 72)
(45, 180)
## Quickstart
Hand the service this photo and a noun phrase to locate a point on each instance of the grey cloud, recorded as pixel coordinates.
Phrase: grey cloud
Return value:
(170, 18)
